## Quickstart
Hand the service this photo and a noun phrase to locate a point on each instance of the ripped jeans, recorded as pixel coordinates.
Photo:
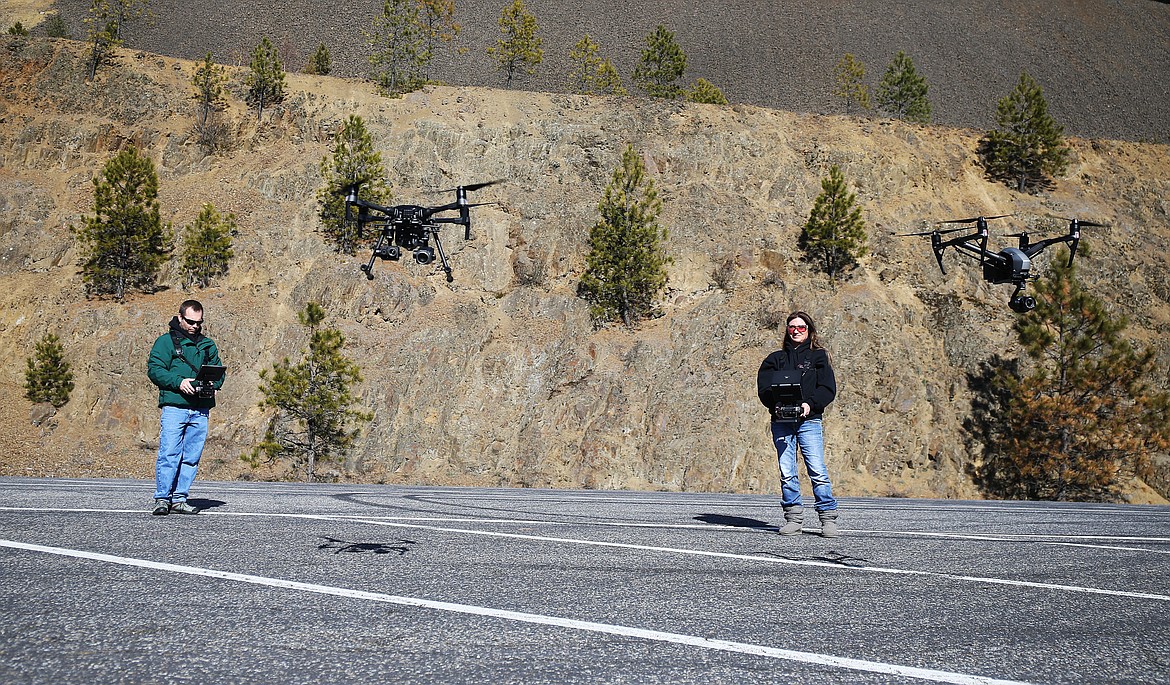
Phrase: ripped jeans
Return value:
(809, 437)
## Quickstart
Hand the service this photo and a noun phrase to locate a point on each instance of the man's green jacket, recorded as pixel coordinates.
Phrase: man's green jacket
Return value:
(167, 370)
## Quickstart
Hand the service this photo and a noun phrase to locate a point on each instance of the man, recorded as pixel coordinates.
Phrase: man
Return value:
(174, 362)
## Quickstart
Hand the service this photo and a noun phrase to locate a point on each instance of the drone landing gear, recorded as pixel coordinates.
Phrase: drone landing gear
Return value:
(1021, 303)
(442, 258)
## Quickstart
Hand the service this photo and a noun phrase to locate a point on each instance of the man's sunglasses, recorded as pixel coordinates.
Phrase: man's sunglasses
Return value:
(190, 322)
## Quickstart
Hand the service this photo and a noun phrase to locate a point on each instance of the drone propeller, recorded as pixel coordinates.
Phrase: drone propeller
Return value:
(934, 232)
(471, 187)
(1079, 222)
(975, 219)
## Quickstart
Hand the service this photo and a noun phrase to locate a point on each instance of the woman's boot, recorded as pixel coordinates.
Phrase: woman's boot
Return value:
(829, 523)
(793, 520)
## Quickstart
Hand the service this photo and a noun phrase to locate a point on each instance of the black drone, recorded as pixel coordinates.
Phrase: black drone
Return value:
(1009, 265)
(411, 227)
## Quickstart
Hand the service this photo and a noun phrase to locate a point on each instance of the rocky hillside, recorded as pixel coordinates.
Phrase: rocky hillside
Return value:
(1102, 63)
(500, 377)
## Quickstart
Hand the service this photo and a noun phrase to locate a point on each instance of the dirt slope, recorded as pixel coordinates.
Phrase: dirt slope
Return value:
(500, 378)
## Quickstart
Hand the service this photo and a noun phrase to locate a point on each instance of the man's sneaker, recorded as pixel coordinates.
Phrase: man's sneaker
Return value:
(183, 508)
(161, 507)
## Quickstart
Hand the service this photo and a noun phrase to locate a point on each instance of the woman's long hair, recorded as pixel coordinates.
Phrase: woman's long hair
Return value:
(814, 342)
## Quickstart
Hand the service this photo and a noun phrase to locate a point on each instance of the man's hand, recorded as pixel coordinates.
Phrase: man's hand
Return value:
(186, 388)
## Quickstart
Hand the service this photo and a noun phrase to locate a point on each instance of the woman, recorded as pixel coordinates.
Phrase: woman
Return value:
(802, 353)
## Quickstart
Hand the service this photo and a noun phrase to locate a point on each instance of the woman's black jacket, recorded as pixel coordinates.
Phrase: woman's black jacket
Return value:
(818, 384)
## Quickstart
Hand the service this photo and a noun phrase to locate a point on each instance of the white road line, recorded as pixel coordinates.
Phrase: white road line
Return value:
(539, 619)
(1114, 547)
(652, 548)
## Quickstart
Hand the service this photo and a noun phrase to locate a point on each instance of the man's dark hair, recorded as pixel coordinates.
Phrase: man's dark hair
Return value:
(190, 304)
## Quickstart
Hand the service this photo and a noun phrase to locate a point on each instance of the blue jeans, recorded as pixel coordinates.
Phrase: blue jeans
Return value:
(807, 434)
(181, 435)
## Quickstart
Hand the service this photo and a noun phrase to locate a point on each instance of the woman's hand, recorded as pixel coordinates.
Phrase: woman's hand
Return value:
(805, 409)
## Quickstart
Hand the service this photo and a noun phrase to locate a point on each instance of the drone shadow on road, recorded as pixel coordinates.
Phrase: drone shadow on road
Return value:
(831, 557)
(401, 547)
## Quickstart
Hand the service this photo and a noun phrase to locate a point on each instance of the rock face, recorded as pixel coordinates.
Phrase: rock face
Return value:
(501, 377)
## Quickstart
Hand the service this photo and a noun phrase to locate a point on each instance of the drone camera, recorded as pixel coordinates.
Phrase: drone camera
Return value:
(391, 252)
(424, 255)
(1022, 303)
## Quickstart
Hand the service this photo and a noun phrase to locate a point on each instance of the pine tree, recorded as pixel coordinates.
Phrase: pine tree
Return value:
(584, 62)
(626, 265)
(661, 65)
(438, 25)
(48, 377)
(849, 82)
(1079, 414)
(211, 131)
(312, 401)
(320, 63)
(207, 246)
(1028, 147)
(591, 74)
(265, 80)
(101, 33)
(105, 21)
(902, 92)
(209, 95)
(208, 81)
(123, 11)
(518, 48)
(834, 235)
(398, 40)
(55, 26)
(607, 81)
(706, 92)
(124, 243)
(354, 164)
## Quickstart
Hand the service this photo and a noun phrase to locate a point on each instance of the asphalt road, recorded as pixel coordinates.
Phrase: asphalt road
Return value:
(286, 583)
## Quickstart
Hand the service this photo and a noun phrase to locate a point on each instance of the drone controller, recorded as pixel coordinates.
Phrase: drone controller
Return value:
(781, 390)
(205, 380)
(411, 228)
(787, 413)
